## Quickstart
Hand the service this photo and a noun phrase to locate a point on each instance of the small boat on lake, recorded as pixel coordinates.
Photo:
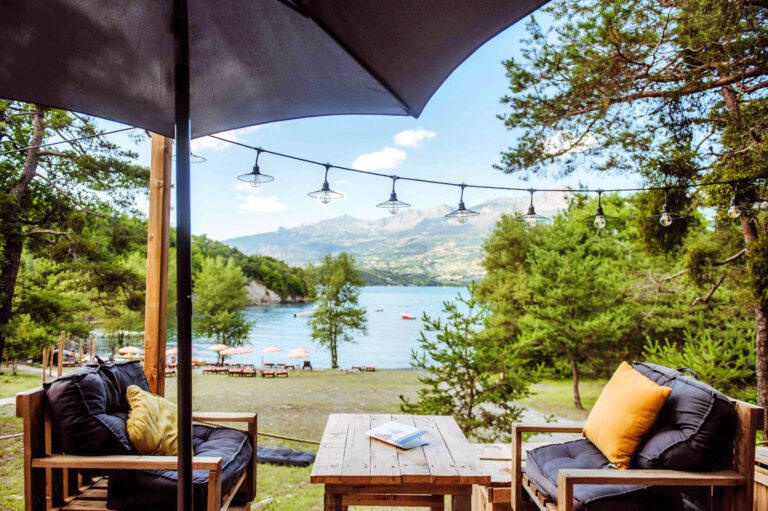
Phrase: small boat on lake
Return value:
(407, 316)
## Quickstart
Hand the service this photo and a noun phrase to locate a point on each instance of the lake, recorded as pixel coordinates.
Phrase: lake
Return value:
(387, 344)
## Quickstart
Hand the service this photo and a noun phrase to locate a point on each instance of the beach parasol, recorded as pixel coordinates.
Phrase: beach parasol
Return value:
(130, 350)
(185, 68)
(244, 350)
(269, 349)
(174, 351)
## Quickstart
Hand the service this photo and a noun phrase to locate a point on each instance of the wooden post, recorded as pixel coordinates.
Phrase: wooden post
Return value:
(91, 348)
(157, 263)
(45, 361)
(60, 358)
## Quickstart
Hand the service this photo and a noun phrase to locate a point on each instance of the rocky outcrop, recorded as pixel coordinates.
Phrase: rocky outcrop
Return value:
(259, 294)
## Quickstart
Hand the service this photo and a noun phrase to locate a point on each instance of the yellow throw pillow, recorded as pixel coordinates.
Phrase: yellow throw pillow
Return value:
(624, 412)
(152, 423)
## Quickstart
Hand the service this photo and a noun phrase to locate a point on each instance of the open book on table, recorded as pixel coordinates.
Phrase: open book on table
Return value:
(400, 435)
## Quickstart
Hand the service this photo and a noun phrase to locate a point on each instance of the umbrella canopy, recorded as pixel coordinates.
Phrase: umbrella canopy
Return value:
(130, 350)
(244, 350)
(218, 347)
(251, 61)
(297, 354)
(271, 349)
(185, 68)
(174, 351)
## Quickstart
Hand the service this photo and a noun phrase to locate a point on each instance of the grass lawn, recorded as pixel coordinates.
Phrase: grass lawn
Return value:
(296, 407)
(10, 385)
(555, 397)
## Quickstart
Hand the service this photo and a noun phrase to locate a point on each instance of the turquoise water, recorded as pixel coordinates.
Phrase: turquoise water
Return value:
(387, 344)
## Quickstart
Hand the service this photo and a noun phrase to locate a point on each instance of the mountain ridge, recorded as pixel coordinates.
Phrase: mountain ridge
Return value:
(421, 244)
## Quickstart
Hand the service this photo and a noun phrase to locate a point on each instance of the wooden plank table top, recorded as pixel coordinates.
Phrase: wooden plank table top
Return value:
(347, 456)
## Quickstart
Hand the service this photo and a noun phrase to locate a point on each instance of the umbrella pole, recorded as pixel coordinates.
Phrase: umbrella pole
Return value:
(183, 254)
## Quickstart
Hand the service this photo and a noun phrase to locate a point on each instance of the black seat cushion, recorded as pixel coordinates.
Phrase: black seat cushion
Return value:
(89, 408)
(543, 464)
(695, 429)
(284, 456)
(156, 489)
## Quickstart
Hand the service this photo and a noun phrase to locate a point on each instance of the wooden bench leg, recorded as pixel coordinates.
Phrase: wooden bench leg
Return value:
(332, 502)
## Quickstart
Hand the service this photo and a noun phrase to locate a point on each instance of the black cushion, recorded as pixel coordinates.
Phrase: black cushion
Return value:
(695, 429)
(156, 489)
(89, 408)
(543, 464)
(284, 456)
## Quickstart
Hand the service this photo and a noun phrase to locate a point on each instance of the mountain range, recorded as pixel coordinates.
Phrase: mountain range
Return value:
(412, 247)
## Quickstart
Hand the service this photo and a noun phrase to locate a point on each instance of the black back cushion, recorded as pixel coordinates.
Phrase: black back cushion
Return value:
(89, 408)
(695, 429)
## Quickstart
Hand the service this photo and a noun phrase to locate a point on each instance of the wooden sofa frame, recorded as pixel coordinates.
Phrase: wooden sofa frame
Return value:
(737, 484)
(54, 481)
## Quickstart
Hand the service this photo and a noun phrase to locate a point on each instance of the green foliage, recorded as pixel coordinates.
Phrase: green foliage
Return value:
(219, 299)
(25, 339)
(470, 376)
(561, 291)
(287, 281)
(338, 312)
(725, 360)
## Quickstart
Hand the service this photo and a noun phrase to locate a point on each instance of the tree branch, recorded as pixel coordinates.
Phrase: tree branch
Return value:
(705, 299)
(49, 232)
(725, 261)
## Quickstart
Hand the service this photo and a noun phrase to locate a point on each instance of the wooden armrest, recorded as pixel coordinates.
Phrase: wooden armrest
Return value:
(651, 477)
(126, 462)
(224, 416)
(547, 428)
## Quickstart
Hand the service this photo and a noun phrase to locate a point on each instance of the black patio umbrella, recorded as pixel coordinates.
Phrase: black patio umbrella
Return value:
(187, 68)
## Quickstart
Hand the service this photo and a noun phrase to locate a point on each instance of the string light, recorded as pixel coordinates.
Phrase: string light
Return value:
(255, 178)
(462, 214)
(667, 216)
(600, 220)
(393, 204)
(325, 194)
(531, 219)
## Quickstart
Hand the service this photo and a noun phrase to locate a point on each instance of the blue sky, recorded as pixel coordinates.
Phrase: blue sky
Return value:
(457, 138)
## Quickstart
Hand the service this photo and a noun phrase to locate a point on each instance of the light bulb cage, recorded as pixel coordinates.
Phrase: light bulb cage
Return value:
(531, 218)
(599, 212)
(393, 203)
(666, 210)
(255, 176)
(740, 207)
(462, 214)
(325, 194)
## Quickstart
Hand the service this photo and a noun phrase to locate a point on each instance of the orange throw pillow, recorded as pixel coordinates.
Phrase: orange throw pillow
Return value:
(624, 412)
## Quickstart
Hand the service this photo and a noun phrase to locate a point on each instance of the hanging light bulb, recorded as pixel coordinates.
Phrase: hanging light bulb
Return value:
(325, 194)
(600, 219)
(665, 218)
(734, 211)
(531, 219)
(393, 204)
(462, 215)
(255, 178)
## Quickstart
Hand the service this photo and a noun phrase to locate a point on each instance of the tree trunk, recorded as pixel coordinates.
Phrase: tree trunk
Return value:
(576, 394)
(761, 338)
(12, 229)
(334, 356)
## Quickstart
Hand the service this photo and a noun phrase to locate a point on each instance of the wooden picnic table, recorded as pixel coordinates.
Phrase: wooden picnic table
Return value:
(360, 471)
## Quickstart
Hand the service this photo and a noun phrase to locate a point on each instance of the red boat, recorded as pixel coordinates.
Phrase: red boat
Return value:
(407, 316)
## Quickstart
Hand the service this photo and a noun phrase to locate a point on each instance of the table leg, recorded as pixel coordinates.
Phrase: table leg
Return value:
(461, 503)
(332, 502)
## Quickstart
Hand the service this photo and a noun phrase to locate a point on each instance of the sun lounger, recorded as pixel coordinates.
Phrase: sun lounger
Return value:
(370, 368)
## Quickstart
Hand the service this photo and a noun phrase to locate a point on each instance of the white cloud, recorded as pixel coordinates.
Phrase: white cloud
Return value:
(565, 140)
(250, 200)
(413, 138)
(387, 158)
(213, 144)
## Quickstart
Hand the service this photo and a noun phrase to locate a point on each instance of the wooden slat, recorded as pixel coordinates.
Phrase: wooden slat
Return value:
(499, 495)
(356, 466)
(392, 500)
(401, 489)
(86, 505)
(414, 468)
(467, 463)
(224, 416)
(330, 456)
(93, 494)
(549, 428)
(385, 468)
(723, 478)
(126, 462)
(439, 458)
